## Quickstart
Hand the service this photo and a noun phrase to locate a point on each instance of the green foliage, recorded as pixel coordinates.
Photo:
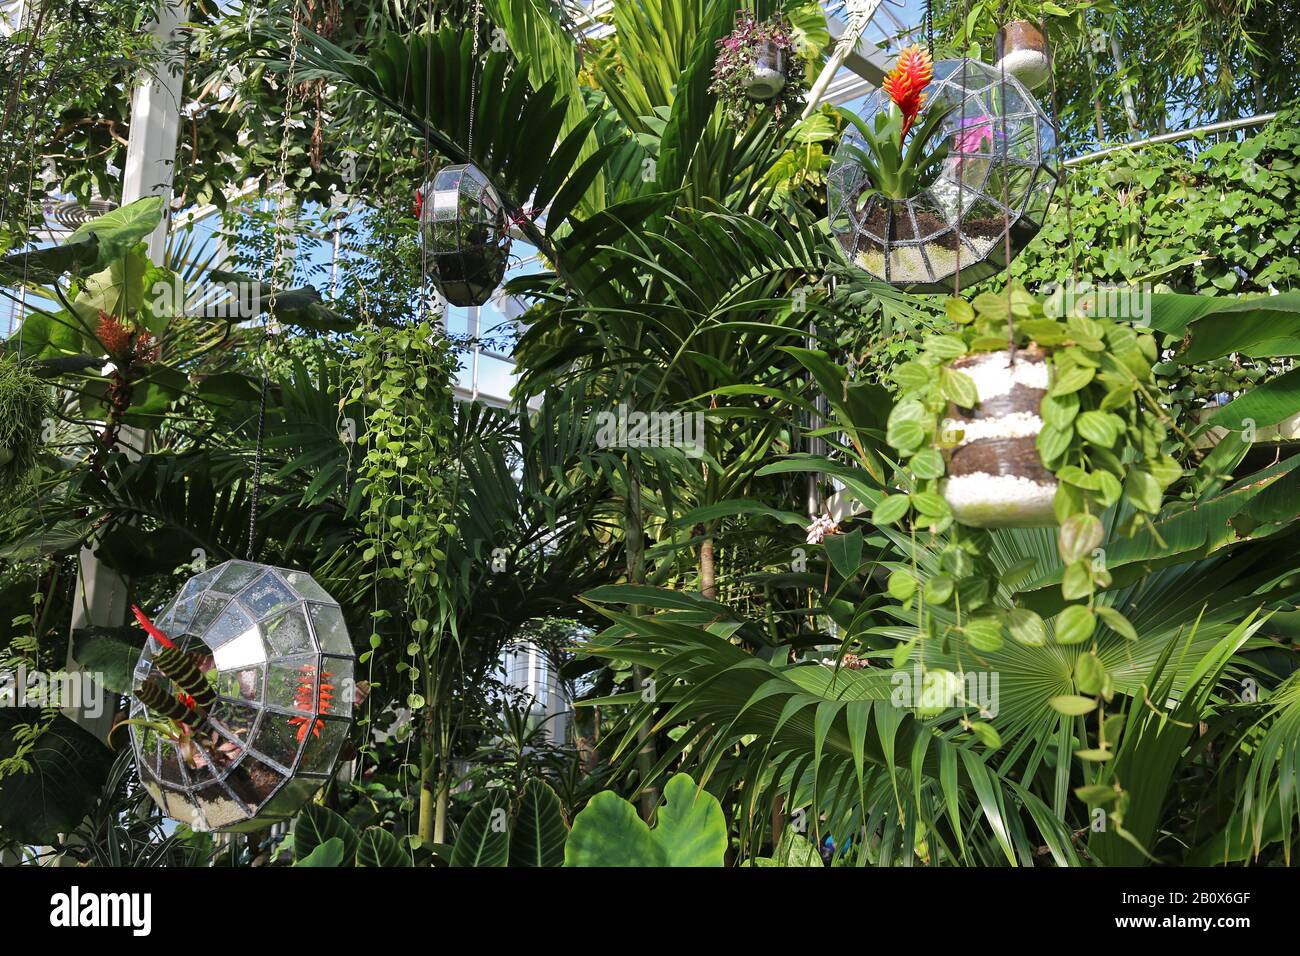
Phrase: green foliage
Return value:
(1222, 220)
(1102, 437)
(690, 830)
(893, 171)
(51, 774)
(25, 406)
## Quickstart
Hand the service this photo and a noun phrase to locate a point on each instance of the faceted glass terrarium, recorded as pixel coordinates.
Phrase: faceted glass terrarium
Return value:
(465, 234)
(999, 176)
(274, 645)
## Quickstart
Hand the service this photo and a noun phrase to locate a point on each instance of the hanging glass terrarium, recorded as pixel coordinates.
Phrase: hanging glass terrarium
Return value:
(466, 234)
(998, 176)
(243, 697)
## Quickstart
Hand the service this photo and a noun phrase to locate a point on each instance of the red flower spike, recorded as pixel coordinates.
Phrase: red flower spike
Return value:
(148, 625)
(419, 203)
(115, 337)
(906, 82)
(307, 698)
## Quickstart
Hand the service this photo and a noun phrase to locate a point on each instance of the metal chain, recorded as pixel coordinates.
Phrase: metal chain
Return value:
(961, 158)
(1006, 198)
(473, 79)
(277, 241)
(1064, 182)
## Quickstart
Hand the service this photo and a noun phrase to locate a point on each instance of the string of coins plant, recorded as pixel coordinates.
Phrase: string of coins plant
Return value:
(404, 377)
(1102, 438)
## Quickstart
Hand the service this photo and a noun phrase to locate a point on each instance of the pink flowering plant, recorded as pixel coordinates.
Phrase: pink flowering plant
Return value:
(734, 68)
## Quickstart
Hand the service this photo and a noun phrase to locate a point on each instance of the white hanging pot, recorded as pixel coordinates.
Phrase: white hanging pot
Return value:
(1022, 53)
(996, 478)
(767, 78)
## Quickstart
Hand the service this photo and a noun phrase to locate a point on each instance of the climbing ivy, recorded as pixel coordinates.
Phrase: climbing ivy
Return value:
(1221, 221)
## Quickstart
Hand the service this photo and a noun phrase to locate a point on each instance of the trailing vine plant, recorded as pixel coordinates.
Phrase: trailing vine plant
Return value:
(404, 377)
(1102, 437)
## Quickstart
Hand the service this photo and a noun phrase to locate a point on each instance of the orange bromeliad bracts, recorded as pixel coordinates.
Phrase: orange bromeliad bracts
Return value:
(907, 81)
(312, 697)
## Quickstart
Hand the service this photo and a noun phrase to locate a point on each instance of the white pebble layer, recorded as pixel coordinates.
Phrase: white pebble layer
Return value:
(1013, 425)
(994, 375)
(985, 500)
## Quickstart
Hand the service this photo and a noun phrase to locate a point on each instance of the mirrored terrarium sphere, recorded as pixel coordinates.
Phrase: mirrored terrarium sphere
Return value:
(274, 646)
(465, 234)
(999, 175)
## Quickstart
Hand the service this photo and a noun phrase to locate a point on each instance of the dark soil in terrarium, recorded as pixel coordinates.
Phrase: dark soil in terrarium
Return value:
(929, 223)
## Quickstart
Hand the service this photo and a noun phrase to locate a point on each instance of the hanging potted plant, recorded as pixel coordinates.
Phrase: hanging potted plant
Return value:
(24, 406)
(1040, 420)
(1032, 423)
(946, 160)
(757, 65)
(1021, 51)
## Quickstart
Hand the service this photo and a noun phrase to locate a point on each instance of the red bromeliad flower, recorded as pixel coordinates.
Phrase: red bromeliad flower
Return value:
(906, 81)
(419, 203)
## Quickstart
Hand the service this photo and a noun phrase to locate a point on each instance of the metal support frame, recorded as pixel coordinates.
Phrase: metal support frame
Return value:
(101, 593)
(1221, 127)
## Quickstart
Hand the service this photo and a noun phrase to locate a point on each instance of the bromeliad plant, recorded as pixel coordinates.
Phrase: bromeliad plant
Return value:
(753, 46)
(1100, 433)
(895, 167)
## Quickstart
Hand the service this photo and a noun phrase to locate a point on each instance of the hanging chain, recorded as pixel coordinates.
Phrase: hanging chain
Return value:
(961, 158)
(927, 21)
(277, 243)
(1060, 154)
(473, 79)
(1006, 198)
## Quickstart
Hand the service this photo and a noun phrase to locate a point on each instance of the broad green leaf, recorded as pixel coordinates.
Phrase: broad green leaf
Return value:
(539, 831)
(690, 828)
(484, 837)
(608, 832)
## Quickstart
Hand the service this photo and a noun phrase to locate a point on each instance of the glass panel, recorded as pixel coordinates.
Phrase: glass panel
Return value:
(288, 634)
(236, 575)
(245, 683)
(169, 768)
(337, 686)
(323, 746)
(210, 605)
(244, 651)
(236, 719)
(266, 595)
(331, 629)
(232, 623)
(279, 738)
(218, 806)
(253, 781)
(306, 586)
(290, 682)
(176, 805)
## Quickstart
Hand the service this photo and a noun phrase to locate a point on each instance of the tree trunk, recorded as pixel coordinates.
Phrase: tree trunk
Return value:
(708, 570)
